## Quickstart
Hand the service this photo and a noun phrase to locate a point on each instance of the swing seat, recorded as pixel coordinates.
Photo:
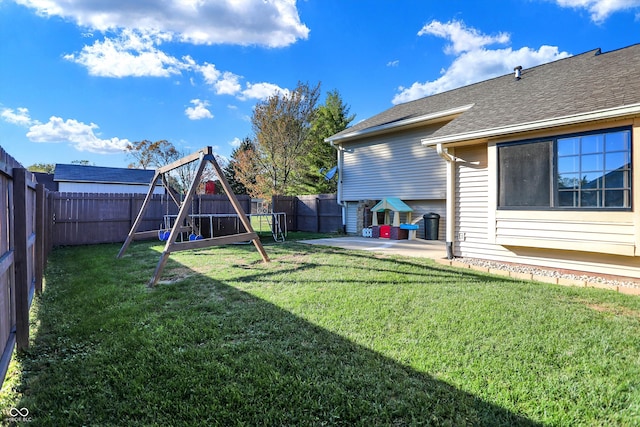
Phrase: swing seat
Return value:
(163, 235)
(194, 236)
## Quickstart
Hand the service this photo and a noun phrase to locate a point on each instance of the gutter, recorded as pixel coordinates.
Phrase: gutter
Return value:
(340, 153)
(450, 204)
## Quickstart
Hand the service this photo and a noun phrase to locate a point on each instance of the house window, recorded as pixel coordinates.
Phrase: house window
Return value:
(583, 171)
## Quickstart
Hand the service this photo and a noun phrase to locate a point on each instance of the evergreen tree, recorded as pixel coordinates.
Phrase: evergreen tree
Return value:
(238, 156)
(331, 118)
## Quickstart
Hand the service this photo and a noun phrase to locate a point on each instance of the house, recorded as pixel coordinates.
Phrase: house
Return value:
(535, 167)
(98, 179)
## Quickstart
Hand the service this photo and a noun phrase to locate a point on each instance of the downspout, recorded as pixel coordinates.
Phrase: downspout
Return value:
(340, 150)
(450, 201)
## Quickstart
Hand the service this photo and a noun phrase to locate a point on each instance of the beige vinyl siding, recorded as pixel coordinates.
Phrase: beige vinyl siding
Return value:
(393, 166)
(601, 232)
(596, 242)
(471, 201)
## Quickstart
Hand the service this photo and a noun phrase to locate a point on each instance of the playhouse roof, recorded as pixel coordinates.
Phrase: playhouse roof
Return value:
(392, 204)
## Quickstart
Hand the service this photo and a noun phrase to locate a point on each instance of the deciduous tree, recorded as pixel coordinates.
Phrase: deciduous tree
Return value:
(149, 154)
(282, 125)
(42, 167)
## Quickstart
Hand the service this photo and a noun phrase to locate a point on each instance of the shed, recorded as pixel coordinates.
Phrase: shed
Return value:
(98, 179)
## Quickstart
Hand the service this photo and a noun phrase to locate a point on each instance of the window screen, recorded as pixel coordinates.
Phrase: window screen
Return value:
(525, 174)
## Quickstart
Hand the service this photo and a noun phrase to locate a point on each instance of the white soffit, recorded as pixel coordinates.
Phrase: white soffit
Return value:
(424, 119)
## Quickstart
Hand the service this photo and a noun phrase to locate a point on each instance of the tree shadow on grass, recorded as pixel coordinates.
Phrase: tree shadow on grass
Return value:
(202, 352)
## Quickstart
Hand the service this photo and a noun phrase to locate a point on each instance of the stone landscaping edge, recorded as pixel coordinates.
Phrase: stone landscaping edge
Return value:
(545, 276)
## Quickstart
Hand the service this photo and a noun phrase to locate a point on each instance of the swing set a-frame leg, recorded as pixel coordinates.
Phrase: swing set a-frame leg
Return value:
(159, 268)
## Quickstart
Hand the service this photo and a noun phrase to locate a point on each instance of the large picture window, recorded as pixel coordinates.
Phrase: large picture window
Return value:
(583, 171)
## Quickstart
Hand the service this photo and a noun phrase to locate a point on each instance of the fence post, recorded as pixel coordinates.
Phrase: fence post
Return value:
(51, 221)
(20, 216)
(41, 201)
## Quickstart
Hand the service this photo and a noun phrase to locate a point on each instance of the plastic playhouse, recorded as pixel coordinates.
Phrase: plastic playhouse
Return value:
(393, 229)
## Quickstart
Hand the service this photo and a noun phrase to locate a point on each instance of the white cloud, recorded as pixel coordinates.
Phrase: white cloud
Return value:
(199, 111)
(19, 117)
(80, 135)
(393, 63)
(222, 82)
(132, 53)
(462, 38)
(273, 23)
(261, 91)
(474, 61)
(236, 142)
(228, 84)
(600, 9)
(209, 72)
(135, 54)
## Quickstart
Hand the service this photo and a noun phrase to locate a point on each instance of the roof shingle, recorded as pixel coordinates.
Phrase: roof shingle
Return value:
(579, 84)
(99, 174)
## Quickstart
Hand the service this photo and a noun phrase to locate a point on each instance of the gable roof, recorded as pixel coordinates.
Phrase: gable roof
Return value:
(568, 89)
(99, 174)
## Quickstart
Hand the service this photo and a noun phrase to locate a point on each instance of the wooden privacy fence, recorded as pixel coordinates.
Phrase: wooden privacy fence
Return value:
(24, 245)
(319, 213)
(87, 218)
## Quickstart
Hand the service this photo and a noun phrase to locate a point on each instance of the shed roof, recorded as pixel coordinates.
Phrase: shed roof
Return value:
(393, 204)
(592, 81)
(100, 174)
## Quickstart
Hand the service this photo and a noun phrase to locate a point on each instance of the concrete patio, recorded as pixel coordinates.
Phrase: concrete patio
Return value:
(434, 249)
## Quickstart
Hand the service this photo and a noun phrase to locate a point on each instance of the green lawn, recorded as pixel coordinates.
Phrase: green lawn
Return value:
(319, 336)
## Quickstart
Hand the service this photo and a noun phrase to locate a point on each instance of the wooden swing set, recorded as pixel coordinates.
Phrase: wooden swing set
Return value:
(204, 156)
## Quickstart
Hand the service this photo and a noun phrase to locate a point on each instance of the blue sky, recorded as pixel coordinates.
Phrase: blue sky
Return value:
(79, 79)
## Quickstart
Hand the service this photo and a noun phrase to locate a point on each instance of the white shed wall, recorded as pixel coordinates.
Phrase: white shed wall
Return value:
(87, 187)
